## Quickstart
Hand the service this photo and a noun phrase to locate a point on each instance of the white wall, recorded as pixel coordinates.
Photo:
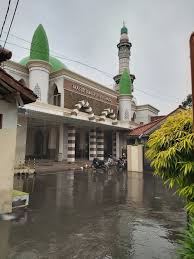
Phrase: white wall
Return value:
(18, 75)
(9, 111)
(7, 160)
(144, 115)
(135, 158)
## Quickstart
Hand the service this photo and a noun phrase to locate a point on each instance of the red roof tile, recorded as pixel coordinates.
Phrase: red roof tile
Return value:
(147, 128)
(142, 129)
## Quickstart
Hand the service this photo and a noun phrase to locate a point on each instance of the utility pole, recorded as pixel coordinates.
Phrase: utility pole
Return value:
(192, 71)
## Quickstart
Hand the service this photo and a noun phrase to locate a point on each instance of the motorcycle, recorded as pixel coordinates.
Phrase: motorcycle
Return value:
(99, 164)
(121, 163)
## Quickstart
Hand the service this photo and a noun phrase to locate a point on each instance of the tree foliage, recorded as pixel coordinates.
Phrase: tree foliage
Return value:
(171, 151)
(187, 103)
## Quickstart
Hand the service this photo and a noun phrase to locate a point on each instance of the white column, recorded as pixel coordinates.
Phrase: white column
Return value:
(125, 107)
(100, 144)
(61, 142)
(39, 78)
(71, 145)
(92, 144)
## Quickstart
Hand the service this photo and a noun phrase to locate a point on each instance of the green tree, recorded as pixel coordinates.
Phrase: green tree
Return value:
(171, 151)
(187, 103)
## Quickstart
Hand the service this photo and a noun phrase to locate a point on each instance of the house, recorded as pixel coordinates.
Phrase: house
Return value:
(12, 95)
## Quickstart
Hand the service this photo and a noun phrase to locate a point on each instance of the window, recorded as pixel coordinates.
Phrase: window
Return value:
(1, 120)
(56, 97)
(134, 117)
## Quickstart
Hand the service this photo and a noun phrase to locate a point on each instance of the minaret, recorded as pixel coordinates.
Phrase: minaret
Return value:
(125, 96)
(124, 53)
(38, 64)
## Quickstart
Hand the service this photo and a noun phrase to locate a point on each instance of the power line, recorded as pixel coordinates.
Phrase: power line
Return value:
(11, 22)
(92, 67)
(5, 18)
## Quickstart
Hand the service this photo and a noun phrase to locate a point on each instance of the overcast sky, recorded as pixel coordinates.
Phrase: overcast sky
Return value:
(89, 30)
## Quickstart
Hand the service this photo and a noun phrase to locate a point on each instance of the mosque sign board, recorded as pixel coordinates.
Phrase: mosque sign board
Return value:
(74, 92)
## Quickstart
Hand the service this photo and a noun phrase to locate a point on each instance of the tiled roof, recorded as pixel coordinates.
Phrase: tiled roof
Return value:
(149, 127)
(153, 118)
(144, 128)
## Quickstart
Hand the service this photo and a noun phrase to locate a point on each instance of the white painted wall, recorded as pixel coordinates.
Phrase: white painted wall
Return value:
(135, 158)
(21, 140)
(17, 74)
(144, 115)
(7, 160)
(9, 111)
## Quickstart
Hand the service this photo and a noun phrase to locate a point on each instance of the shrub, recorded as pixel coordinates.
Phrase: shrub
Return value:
(171, 151)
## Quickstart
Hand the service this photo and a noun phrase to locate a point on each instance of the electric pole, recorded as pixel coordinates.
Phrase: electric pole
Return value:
(192, 71)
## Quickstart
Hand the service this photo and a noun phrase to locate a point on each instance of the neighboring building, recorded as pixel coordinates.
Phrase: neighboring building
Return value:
(12, 95)
(74, 117)
(141, 134)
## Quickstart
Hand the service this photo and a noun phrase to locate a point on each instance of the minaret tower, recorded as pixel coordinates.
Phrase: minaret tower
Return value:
(125, 96)
(38, 64)
(124, 53)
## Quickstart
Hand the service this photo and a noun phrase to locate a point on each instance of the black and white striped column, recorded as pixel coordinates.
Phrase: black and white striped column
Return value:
(71, 145)
(100, 144)
(92, 144)
(114, 144)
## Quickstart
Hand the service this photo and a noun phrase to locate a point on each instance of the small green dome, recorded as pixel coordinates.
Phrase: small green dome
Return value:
(54, 62)
(39, 45)
(125, 85)
(124, 30)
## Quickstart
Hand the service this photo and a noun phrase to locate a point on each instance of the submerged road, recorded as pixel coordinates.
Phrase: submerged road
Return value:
(77, 215)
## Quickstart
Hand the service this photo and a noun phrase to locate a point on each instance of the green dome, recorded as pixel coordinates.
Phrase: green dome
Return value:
(125, 85)
(39, 45)
(40, 50)
(124, 30)
(54, 62)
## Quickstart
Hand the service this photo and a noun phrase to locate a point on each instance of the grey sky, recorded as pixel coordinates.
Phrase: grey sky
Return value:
(88, 31)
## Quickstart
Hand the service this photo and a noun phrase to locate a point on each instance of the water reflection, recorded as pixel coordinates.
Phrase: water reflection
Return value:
(84, 215)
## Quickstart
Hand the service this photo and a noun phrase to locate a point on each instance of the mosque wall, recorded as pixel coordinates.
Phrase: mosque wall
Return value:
(73, 93)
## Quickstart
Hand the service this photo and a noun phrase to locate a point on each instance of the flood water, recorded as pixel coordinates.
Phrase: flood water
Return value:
(77, 215)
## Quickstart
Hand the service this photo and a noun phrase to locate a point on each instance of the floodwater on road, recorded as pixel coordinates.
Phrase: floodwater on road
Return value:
(79, 215)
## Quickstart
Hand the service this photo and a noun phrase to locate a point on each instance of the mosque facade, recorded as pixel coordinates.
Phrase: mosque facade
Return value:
(74, 117)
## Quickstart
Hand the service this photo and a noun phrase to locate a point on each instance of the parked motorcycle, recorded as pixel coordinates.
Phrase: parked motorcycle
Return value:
(121, 163)
(99, 164)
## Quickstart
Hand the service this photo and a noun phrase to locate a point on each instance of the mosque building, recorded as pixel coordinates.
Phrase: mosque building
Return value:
(74, 117)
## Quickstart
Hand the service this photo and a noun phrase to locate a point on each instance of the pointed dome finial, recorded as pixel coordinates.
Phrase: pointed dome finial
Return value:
(39, 45)
(124, 28)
